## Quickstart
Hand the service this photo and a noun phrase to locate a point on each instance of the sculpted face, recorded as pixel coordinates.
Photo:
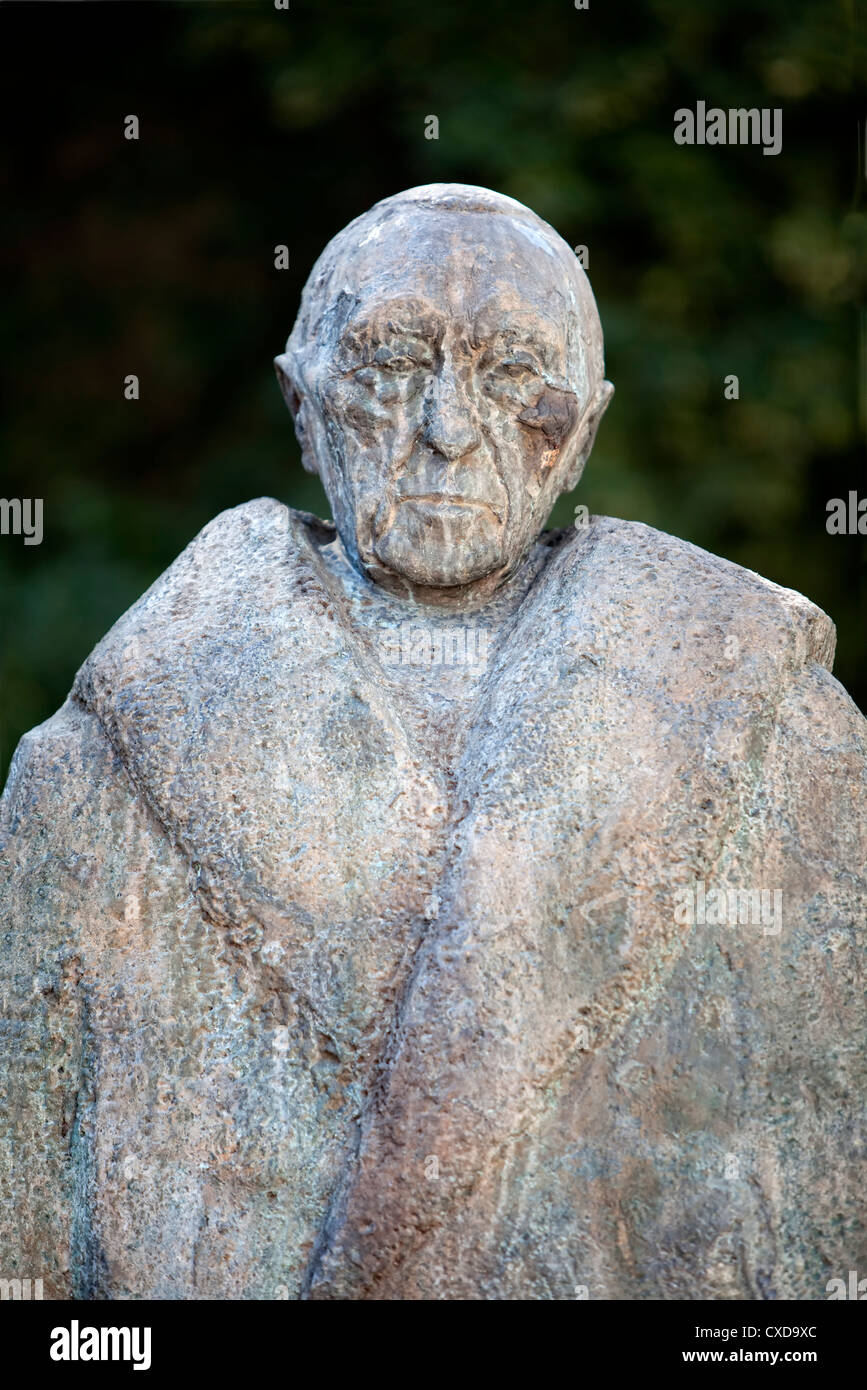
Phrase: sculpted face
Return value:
(448, 400)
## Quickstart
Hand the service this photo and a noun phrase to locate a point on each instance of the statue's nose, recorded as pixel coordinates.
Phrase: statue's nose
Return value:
(450, 424)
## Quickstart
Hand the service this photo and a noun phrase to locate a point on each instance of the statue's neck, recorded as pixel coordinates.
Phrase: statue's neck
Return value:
(434, 661)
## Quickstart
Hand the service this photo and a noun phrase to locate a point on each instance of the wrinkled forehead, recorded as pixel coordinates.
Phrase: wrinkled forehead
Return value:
(480, 270)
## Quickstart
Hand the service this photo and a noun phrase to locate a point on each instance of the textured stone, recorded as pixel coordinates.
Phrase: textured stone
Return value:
(331, 973)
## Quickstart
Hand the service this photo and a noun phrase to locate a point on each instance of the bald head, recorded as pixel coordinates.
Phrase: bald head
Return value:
(446, 377)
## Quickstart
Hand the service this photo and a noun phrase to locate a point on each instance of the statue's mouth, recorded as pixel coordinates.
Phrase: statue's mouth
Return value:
(444, 502)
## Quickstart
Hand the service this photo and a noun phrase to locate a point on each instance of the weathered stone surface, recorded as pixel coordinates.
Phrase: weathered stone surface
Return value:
(327, 974)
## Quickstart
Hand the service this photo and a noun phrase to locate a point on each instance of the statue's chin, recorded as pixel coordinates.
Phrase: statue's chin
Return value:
(442, 548)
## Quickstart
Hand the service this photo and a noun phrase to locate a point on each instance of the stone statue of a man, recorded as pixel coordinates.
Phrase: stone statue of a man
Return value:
(427, 906)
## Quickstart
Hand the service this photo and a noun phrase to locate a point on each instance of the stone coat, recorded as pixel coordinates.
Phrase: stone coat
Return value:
(293, 1009)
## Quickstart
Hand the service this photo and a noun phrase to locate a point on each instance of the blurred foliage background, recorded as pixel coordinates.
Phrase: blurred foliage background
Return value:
(261, 127)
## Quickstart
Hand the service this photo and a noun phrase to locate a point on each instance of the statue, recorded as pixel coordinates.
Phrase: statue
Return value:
(423, 905)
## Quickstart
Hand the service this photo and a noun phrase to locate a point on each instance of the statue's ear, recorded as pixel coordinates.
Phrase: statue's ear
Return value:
(295, 399)
(586, 433)
(286, 381)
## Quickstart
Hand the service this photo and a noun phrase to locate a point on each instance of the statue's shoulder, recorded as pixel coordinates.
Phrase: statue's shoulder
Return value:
(230, 554)
(238, 535)
(243, 541)
(239, 546)
(233, 586)
(249, 565)
(56, 763)
(674, 584)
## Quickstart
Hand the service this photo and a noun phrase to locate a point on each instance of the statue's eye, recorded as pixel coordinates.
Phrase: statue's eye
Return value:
(389, 359)
(395, 364)
(514, 368)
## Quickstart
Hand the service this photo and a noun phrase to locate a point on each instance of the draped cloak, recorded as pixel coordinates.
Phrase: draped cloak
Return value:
(292, 1010)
